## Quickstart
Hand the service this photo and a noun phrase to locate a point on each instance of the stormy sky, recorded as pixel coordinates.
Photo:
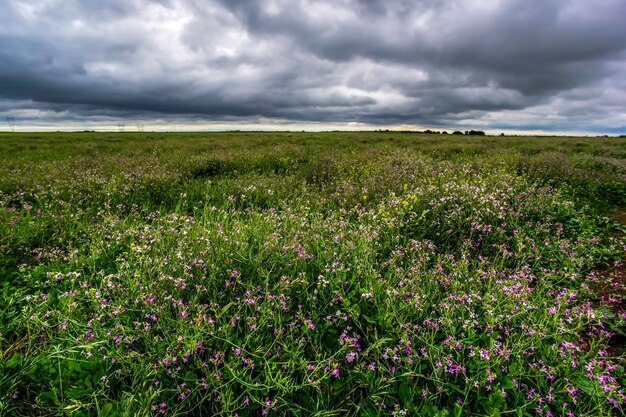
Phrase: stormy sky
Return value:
(511, 65)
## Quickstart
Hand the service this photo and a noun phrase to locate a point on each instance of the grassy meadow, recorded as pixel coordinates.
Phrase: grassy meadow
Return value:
(298, 274)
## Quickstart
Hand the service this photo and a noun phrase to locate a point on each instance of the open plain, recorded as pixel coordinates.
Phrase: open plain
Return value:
(328, 274)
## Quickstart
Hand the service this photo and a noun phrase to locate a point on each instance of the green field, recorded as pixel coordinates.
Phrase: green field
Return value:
(297, 274)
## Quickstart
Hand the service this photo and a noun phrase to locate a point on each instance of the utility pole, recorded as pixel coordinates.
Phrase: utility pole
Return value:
(11, 122)
(121, 126)
(139, 127)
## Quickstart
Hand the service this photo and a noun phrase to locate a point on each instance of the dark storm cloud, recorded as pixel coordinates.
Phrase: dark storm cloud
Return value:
(501, 64)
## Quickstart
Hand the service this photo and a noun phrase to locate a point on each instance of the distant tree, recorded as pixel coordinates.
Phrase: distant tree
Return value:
(11, 123)
(457, 132)
(475, 133)
(443, 132)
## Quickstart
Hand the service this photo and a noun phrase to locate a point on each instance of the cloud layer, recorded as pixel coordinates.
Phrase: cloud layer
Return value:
(508, 64)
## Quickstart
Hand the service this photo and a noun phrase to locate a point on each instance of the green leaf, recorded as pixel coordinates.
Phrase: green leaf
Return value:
(369, 319)
(227, 306)
(405, 393)
(496, 401)
(586, 386)
(337, 385)
(507, 383)
(369, 413)
(106, 409)
(430, 410)
(77, 393)
(48, 396)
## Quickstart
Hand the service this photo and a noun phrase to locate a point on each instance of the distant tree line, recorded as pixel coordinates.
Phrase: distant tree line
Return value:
(471, 133)
(443, 132)
(457, 132)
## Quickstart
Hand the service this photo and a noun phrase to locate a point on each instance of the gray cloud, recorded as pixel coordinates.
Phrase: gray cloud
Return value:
(515, 64)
